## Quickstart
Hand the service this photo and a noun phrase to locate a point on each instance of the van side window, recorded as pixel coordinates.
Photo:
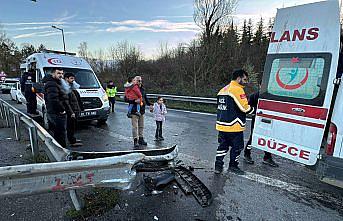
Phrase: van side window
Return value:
(301, 78)
(296, 77)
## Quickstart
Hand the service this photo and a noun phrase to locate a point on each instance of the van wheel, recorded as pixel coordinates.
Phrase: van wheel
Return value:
(18, 102)
(102, 121)
(45, 119)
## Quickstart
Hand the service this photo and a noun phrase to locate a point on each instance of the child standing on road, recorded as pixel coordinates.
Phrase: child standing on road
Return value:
(160, 112)
(134, 96)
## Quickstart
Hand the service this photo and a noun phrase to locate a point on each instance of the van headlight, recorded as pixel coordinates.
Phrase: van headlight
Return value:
(105, 98)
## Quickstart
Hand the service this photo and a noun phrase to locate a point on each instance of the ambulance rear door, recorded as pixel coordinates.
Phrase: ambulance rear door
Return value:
(297, 84)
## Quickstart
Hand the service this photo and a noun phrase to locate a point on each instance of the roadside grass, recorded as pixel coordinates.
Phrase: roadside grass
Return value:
(96, 203)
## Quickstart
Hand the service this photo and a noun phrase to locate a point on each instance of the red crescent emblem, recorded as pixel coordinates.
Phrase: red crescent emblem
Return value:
(293, 86)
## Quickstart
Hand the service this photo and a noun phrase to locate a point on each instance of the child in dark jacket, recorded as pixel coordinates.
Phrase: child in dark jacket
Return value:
(160, 112)
(133, 95)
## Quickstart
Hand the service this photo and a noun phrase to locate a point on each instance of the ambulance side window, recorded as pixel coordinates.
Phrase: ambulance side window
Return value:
(299, 78)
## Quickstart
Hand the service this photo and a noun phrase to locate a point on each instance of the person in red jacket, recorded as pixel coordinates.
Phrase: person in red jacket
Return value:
(133, 95)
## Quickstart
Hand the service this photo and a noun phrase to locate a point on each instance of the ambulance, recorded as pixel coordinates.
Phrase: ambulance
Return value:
(93, 97)
(300, 110)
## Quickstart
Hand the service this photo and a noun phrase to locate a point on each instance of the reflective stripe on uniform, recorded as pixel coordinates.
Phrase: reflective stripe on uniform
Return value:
(237, 120)
(234, 128)
(221, 154)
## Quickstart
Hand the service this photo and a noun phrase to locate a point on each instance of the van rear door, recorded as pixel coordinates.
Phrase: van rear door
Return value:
(297, 84)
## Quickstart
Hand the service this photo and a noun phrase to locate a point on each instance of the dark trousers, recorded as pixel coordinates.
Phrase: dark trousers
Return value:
(71, 127)
(31, 102)
(112, 101)
(158, 129)
(57, 125)
(247, 149)
(235, 140)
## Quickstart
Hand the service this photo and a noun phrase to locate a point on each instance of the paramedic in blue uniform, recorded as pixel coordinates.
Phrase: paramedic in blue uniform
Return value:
(26, 81)
(231, 117)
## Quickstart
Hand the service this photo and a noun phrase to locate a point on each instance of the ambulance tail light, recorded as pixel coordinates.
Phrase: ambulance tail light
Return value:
(331, 141)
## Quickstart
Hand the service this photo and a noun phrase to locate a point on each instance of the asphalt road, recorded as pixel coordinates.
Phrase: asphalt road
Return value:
(289, 192)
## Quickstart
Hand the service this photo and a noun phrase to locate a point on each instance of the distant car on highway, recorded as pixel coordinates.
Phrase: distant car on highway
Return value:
(16, 94)
(7, 85)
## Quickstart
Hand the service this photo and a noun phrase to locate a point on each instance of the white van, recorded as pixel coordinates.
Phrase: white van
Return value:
(93, 96)
(299, 114)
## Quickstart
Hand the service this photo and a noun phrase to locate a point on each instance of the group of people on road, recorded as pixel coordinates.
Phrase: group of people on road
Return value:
(232, 107)
(136, 97)
(63, 104)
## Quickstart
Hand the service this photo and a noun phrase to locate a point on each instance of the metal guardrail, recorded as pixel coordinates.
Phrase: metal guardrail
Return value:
(114, 169)
(202, 100)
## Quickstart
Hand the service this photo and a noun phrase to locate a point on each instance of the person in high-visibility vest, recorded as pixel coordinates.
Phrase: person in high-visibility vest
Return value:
(111, 91)
(231, 116)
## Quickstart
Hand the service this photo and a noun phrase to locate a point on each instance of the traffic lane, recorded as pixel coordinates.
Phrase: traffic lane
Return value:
(184, 129)
(194, 134)
(118, 131)
(196, 138)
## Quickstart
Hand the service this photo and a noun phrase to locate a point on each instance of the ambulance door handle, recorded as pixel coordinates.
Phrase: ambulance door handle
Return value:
(267, 121)
(298, 110)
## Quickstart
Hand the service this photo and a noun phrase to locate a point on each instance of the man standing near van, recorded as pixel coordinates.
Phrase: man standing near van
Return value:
(138, 121)
(56, 102)
(267, 159)
(26, 81)
(111, 91)
(231, 117)
(74, 102)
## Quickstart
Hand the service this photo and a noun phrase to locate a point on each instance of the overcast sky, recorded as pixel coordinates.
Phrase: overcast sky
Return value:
(102, 23)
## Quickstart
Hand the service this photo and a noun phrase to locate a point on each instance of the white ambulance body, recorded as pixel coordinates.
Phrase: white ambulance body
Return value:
(293, 117)
(93, 96)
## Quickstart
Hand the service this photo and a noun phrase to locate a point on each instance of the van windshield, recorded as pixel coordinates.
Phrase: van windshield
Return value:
(85, 78)
(301, 78)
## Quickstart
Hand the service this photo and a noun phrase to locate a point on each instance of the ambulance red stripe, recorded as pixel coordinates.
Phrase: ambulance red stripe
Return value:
(286, 108)
(306, 123)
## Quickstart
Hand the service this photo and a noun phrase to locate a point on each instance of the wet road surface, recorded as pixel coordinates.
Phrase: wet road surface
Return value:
(289, 192)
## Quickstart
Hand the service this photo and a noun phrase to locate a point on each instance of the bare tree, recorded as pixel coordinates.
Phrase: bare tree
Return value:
(211, 15)
(83, 50)
(164, 51)
(127, 57)
(100, 60)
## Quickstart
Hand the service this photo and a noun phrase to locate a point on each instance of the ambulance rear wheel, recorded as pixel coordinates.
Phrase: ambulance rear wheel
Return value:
(102, 121)
(17, 100)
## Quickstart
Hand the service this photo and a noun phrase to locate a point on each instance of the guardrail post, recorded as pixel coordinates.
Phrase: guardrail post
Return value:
(16, 119)
(7, 116)
(2, 111)
(34, 142)
(75, 200)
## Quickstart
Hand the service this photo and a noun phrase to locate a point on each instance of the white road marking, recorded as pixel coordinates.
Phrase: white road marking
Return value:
(271, 182)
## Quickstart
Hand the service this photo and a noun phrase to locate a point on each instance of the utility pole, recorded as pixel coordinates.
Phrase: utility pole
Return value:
(61, 29)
